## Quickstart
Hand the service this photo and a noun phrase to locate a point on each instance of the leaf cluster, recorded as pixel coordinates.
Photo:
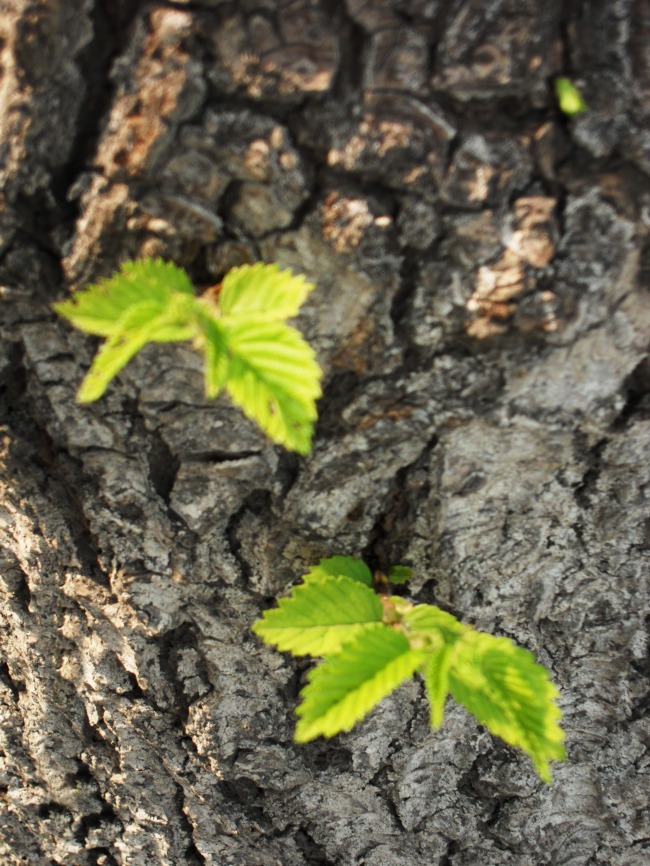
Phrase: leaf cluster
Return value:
(263, 363)
(371, 643)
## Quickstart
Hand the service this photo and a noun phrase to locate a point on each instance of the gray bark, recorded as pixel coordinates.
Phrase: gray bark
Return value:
(482, 317)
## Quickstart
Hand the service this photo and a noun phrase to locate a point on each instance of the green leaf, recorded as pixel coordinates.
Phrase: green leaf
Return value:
(146, 301)
(346, 565)
(263, 289)
(503, 686)
(399, 574)
(267, 367)
(99, 308)
(427, 619)
(114, 354)
(441, 630)
(348, 685)
(569, 97)
(436, 680)
(176, 321)
(320, 616)
(274, 378)
(141, 324)
(215, 349)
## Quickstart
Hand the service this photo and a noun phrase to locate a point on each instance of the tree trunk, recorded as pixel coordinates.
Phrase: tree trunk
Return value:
(482, 318)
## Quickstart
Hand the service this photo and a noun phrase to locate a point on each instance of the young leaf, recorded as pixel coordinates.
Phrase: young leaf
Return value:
(399, 574)
(436, 680)
(371, 643)
(569, 97)
(503, 686)
(215, 349)
(99, 308)
(274, 378)
(427, 619)
(346, 565)
(114, 354)
(348, 685)
(141, 324)
(267, 367)
(263, 289)
(320, 616)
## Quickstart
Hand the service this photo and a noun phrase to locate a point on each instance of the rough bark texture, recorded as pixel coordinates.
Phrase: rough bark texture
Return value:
(482, 316)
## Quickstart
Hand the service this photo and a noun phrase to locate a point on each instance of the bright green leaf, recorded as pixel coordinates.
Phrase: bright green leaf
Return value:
(436, 680)
(399, 574)
(114, 354)
(142, 323)
(320, 616)
(215, 349)
(427, 619)
(261, 289)
(138, 326)
(428, 625)
(146, 301)
(336, 565)
(372, 643)
(569, 97)
(274, 378)
(503, 686)
(100, 308)
(347, 686)
(176, 321)
(267, 367)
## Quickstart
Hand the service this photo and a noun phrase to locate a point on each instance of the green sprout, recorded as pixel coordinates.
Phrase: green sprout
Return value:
(263, 363)
(372, 642)
(569, 97)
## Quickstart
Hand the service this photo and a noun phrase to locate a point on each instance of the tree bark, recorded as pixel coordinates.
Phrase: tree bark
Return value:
(482, 317)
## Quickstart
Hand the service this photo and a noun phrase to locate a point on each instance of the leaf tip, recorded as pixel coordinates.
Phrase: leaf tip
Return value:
(302, 734)
(89, 392)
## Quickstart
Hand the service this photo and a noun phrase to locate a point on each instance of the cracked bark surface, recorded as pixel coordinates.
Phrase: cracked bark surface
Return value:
(482, 315)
